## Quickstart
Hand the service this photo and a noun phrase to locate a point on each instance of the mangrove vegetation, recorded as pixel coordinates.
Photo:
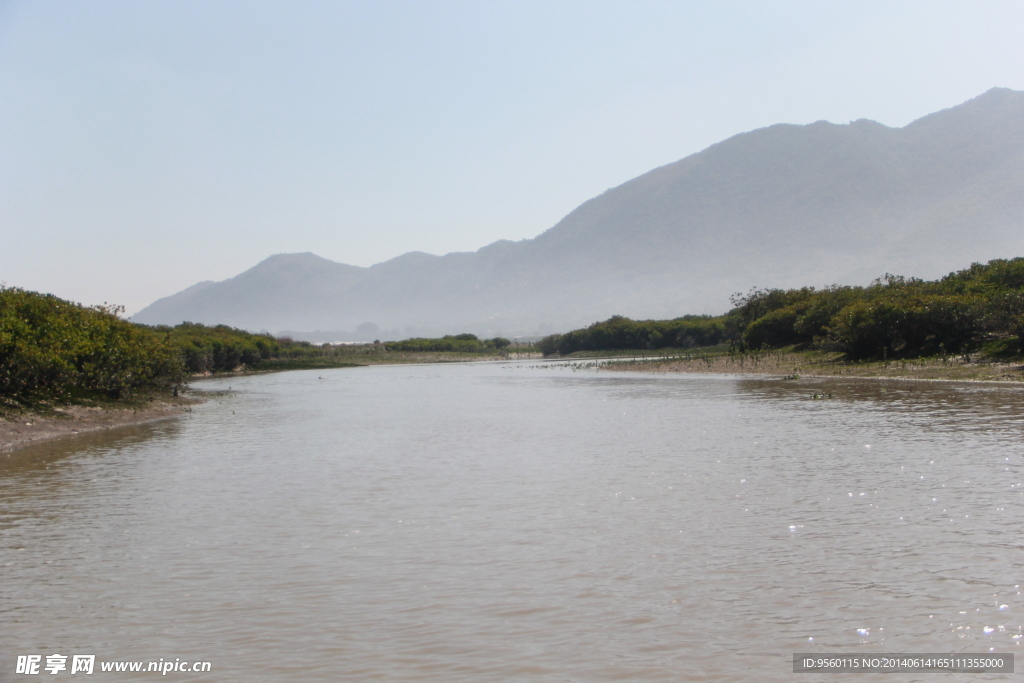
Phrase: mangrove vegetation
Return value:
(52, 350)
(894, 317)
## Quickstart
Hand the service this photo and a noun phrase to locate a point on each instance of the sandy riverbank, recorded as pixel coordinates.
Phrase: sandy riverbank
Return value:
(812, 364)
(21, 429)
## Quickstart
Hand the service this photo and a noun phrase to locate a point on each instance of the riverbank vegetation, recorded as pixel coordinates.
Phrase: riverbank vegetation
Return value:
(620, 333)
(51, 349)
(978, 309)
(56, 351)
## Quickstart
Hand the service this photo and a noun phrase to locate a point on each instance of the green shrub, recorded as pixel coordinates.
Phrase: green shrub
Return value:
(619, 332)
(907, 327)
(221, 348)
(50, 347)
(778, 328)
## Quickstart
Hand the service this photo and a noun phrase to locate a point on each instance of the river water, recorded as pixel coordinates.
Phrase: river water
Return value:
(522, 521)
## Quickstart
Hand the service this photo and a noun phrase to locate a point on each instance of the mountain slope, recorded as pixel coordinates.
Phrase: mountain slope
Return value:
(781, 206)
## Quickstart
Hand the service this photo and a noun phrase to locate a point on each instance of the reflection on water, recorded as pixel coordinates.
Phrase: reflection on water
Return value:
(506, 521)
(42, 454)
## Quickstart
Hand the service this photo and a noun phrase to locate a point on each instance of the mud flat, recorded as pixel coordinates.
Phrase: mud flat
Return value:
(818, 364)
(20, 429)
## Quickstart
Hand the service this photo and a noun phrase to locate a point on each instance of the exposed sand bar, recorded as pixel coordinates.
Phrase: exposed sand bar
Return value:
(812, 364)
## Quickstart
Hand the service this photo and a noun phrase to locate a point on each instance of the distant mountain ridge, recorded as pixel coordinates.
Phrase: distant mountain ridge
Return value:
(786, 205)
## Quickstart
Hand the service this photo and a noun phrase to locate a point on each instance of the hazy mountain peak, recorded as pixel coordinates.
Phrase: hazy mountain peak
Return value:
(785, 205)
(297, 261)
(995, 103)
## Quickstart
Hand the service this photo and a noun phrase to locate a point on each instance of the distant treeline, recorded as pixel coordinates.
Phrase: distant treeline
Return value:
(462, 343)
(622, 333)
(893, 317)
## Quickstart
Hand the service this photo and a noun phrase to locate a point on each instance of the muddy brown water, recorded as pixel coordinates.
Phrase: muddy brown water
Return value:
(522, 521)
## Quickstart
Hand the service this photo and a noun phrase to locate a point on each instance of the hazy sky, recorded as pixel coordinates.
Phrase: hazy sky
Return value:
(145, 146)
